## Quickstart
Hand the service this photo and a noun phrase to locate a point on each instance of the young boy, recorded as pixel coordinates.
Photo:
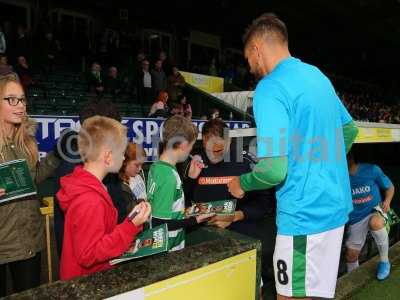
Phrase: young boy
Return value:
(164, 187)
(368, 215)
(91, 234)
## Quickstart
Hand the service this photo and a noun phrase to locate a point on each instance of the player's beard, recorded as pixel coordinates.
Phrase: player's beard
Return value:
(256, 71)
(258, 74)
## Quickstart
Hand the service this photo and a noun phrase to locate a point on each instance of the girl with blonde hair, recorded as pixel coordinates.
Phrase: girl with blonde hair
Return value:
(21, 225)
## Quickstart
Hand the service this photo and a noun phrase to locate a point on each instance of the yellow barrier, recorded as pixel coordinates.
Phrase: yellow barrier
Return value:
(377, 133)
(233, 278)
(48, 211)
(209, 84)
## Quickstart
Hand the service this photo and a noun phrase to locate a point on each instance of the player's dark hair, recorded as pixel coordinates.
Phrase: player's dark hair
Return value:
(267, 25)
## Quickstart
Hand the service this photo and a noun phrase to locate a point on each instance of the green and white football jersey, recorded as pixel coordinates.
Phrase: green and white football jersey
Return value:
(167, 199)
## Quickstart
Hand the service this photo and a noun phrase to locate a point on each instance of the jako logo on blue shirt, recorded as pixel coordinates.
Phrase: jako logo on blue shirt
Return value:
(361, 190)
(366, 186)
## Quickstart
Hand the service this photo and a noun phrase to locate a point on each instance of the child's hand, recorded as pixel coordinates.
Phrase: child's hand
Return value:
(144, 209)
(196, 165)
(2, 192)
(221, 224)
(204, 218)
(386, 206)
(227, 218)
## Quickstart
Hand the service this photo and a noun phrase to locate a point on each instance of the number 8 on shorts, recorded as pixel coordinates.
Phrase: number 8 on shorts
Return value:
(307, 265)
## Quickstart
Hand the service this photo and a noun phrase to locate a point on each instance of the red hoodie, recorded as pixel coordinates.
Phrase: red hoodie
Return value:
(91, 234)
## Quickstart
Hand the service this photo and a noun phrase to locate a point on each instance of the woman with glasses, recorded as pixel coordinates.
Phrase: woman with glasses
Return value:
(21, 225)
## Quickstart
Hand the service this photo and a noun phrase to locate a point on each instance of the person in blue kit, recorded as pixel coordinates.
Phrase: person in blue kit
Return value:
(369, 214)
(303, 133)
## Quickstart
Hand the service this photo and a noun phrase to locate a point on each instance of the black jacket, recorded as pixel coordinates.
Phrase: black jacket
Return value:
(70, 159)
(210, 186)
(113, 85)
(94, 82)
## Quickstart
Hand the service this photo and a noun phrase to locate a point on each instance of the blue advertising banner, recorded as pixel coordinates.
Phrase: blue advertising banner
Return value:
(143, 131)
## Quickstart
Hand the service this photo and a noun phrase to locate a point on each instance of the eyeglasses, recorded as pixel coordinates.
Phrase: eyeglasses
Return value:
(14, 101)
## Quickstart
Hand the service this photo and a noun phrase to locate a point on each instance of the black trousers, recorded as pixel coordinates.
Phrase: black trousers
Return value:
(25, 274)
(148, 96)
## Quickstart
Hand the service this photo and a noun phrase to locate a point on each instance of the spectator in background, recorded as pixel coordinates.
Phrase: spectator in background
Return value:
(214, 114)
(3, 45)
(213, 68)
(160, 109)
(140, 58)
(176, 82)
(182, 108)
(22, 43)
(95, 80)
(24, 72)
(113, 84)
(370, 108)
(137, 64)
(204, 118)
(159, 79)
(133, 70)
(50, 50)
(145, 87)
(166, 64)
(186, 107)
(176, 109)
(5, 68)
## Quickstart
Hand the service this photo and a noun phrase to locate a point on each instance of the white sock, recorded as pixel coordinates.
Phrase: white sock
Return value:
(352, 266)
(382, 242)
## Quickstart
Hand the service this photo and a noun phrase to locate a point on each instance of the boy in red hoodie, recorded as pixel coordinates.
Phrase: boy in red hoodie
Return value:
(91, 234)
